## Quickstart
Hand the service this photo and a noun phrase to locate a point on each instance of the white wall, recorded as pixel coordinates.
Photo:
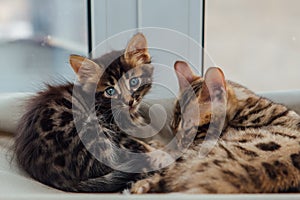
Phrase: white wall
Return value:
(256, 42)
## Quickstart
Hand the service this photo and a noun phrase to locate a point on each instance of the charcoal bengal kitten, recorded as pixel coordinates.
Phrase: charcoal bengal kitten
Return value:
(258, 151)
(82, 154)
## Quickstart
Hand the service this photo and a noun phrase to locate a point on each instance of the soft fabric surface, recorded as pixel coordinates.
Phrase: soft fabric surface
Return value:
(15, 184)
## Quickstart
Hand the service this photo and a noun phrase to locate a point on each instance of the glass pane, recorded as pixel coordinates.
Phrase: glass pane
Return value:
(257, 43)
(36, 38)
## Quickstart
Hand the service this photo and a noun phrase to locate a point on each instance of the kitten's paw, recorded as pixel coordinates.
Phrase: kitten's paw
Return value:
(141, 187)
(147, 185)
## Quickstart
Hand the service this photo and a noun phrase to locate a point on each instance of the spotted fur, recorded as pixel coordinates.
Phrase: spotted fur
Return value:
(54, 150)
(258, 151)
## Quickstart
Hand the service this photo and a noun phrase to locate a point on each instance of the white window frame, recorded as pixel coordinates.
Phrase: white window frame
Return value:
(99, 15)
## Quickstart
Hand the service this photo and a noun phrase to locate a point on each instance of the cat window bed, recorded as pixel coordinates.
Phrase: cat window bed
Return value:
(15, 184)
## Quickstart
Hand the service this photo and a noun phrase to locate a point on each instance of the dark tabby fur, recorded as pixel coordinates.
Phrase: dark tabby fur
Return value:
(48, 145)
(259, 148)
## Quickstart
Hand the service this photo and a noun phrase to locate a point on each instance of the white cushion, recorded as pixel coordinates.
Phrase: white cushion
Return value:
(15, 184)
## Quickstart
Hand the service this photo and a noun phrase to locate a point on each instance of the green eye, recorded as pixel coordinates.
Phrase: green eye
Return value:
(134, 82)
(110, 91)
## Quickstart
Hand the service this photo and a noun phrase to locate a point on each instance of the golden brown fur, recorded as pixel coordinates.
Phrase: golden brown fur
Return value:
(258, 151)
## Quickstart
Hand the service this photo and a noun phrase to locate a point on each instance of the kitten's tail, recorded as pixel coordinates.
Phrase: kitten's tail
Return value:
(115, 181)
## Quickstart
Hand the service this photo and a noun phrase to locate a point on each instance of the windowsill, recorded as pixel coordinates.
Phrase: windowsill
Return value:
(49, 41)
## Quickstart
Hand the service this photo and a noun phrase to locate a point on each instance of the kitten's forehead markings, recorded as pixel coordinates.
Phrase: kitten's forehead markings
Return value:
(112, 81)
(116, 85)
(140, 71)
(124, 82)
(132, 72)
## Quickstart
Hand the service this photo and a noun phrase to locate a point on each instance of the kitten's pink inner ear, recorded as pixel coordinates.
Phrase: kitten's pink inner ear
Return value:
(86, 70)
(76, 62)
(214, 80)
(136, 52)
(214, 76)
(184, 74)
(137, 42)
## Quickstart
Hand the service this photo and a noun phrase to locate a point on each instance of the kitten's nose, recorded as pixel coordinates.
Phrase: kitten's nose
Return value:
(130, 102)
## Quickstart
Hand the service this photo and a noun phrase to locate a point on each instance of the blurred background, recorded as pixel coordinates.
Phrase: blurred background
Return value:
(36, 38)
(257, 43)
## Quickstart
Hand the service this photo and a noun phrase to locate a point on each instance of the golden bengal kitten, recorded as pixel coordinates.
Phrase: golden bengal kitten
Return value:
(258, 150)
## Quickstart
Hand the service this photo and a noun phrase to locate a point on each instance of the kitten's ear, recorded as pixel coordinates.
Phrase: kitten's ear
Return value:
(185, 74)
(136, 52)
(87, 71)
(214, 82)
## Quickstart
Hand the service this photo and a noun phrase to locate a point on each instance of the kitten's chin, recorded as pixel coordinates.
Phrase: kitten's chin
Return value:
(128, 119)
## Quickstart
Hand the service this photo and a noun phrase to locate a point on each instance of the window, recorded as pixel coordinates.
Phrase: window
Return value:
(257, 43)
(175, 34)
(36, 38)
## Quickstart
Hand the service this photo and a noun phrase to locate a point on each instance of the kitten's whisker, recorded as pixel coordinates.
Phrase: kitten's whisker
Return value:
(115, 116)
(145, 103)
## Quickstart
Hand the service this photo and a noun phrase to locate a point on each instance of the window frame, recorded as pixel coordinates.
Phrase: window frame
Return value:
(91, 23)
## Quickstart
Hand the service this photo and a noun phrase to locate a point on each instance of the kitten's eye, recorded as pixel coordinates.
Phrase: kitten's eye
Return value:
(134, 82)
(110, 91)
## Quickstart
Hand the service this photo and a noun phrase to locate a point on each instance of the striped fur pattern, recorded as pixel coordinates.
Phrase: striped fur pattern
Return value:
(258, 151)
(49, 145)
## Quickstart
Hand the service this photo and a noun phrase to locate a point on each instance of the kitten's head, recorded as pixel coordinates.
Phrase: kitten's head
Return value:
(201, 92)
(122, 78)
